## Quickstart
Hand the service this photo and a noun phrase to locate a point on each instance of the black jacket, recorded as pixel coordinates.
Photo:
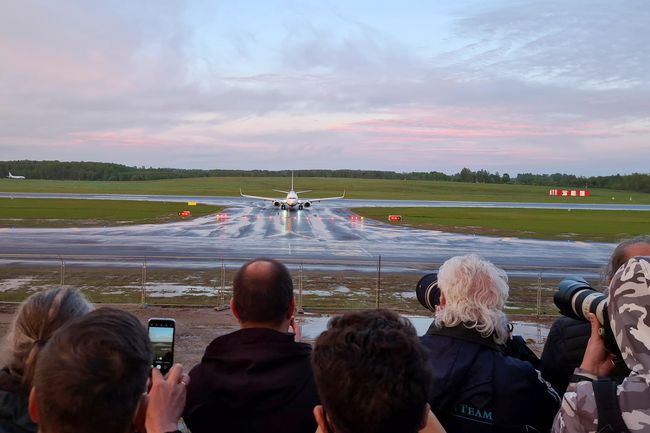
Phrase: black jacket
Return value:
(563, 351)
(476, 388)
(252, 380)
(14, 417)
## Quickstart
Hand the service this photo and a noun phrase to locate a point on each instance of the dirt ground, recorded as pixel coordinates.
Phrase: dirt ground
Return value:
(195, 327)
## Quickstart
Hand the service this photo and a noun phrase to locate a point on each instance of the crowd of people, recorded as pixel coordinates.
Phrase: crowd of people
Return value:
(68, 367)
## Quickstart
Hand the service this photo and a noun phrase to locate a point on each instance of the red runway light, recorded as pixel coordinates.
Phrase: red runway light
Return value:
(394, 217)
(184, 213)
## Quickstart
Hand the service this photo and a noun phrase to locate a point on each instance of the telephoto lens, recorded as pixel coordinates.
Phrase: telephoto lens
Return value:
(575, 298)
(428, 292)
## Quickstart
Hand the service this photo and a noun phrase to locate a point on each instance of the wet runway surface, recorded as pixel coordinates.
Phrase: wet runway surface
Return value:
(325, 235)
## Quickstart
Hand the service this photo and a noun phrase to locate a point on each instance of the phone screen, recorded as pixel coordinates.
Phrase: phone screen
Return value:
(161, 334)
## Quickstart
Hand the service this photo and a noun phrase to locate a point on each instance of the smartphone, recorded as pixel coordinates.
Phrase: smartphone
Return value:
(161, 334)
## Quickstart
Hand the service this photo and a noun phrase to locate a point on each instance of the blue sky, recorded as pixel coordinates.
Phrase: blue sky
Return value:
(508, 86)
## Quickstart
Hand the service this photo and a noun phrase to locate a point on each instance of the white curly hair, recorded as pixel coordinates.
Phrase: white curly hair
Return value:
(475, 293)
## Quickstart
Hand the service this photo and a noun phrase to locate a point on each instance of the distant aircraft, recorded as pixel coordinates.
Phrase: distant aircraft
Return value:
(292, 199)
(11, 176)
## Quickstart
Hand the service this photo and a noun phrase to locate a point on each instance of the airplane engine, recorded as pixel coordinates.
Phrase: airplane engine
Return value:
(276, 203)
(306, 204)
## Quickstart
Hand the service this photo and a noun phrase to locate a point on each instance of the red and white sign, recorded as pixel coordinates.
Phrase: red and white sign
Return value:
(569, 192)
(394, 217)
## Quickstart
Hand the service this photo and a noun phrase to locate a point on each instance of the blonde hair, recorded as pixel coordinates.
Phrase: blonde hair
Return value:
(475, 293)
(36, 320)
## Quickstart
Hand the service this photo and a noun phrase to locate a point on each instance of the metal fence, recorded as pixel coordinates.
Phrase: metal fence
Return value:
(320, 285)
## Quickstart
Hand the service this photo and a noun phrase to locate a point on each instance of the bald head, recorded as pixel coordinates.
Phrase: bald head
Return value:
(263, 292)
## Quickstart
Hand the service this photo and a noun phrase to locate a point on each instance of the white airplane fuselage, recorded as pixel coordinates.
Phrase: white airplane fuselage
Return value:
(11, 176)
(292, 199)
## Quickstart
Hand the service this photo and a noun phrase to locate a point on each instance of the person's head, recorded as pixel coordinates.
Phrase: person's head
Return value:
(263, 294)
(91, 375)
(36, 320)
(637, 246)
(473, 293)
(629, 311)
(372, 375)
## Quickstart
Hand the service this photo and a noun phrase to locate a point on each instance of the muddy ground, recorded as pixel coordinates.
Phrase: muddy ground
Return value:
(195, 327)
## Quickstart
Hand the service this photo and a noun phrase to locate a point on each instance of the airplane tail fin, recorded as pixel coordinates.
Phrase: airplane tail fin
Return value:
(291, 180)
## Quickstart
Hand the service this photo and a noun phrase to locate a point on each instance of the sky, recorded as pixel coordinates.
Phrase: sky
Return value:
(503, 85)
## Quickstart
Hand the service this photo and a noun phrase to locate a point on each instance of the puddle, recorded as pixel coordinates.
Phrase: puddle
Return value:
(15, 284)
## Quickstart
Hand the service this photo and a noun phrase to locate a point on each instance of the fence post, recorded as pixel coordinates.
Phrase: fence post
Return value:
(378, 282)
(62, 271)
(300, 310)
(539, 294)
(144, 282)
(223, 283)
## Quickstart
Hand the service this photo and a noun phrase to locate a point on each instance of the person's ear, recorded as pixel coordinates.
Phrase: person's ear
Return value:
(292, 308)
(141, 413)
(425, 416)
(319, 415)
(233, 309)
(32, 405)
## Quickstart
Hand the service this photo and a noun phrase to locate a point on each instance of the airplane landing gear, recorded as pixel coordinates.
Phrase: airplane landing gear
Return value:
(283, 207)
(299, 207)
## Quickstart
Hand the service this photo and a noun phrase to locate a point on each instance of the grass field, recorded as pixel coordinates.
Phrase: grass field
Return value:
(75, 213)
(578, 225)
(355, 188)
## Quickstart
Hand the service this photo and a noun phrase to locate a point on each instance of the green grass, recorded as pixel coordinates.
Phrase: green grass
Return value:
(577, 225)
(74, 213)
(355, 189)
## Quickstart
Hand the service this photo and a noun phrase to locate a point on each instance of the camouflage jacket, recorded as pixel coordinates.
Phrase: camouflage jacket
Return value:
(629, 310)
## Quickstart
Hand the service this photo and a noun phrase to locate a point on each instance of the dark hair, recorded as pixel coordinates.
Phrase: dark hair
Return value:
(620, 255)
(92, 373)
(262, 295)
(372, 373)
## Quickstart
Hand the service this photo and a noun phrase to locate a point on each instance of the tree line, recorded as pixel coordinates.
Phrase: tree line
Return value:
(57, 170)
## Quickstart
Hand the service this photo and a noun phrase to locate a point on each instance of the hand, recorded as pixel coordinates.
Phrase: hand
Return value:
(166, 400)
(597, 359)
(296, 329)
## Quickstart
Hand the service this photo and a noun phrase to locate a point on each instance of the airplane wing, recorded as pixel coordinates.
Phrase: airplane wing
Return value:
(261, 198)
(324, 198)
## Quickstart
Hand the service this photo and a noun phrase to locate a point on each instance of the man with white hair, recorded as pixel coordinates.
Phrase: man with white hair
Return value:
(476, 386)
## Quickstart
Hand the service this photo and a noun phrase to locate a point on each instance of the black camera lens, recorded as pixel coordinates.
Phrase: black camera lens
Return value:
(428, 292)
(576, 299)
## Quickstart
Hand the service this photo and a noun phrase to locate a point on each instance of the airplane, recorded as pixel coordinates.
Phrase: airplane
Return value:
(11, 176)
(292, 199)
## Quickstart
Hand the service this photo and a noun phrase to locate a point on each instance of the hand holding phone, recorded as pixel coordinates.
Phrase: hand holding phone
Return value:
(161, 334)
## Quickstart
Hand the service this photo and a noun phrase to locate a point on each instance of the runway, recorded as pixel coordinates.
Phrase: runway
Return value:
(325, 236)
(346, 203)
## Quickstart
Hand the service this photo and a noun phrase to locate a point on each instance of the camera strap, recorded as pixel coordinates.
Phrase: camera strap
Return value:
(610, 418)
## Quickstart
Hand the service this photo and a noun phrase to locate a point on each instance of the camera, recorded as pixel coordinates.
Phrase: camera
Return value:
(576, 299)
(428, 292)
